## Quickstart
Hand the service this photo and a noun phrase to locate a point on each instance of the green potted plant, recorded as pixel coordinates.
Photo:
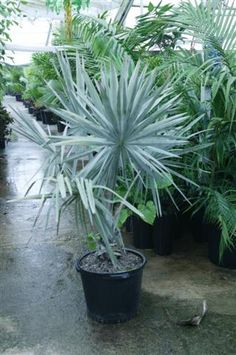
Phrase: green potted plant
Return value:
(133, 127)
(210, 89)
(5, 120)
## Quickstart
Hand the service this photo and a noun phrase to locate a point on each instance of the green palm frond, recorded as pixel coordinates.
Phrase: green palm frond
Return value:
(221, 211)
(97, 41)
(62, 184)
(211, 24)
(155, 29)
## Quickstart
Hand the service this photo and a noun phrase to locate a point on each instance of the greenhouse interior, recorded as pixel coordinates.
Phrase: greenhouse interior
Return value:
(117, 177)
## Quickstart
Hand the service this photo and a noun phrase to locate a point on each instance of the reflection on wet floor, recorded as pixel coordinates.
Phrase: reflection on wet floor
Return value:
(21, 164)
(22, 160)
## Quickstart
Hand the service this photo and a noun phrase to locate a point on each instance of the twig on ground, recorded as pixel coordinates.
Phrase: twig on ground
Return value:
(196, 319)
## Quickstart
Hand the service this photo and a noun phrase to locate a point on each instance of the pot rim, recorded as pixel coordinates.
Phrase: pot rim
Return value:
(143, 257)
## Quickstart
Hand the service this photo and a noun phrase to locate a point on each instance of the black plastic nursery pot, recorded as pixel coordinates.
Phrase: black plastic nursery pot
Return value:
(18, 97)
(2, 143)
(129, 224)
(31, 110)
(38, 115)
(112, 297)
(214, 236)
(183, 224)
(163, 232)
(60, 126)
(197, 222)
(27, 104)
(142, 234)
(48, 118)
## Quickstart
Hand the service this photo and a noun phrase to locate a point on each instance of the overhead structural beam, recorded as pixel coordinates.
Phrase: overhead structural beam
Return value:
(49, 34)
(141, 7)
(123, 11)
(22, 48)
(33, 49)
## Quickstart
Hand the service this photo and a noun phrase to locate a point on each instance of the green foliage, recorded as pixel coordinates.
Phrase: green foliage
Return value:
(58, 5)
(9, 10)
(206, 82)
(92, 240)
(149, 212)
(155, 29)
(97, 41)
(14, 79)
(124, 214)
(135, 118)
(5, 120)
(40, 70)
(221, 211)
(128, 122)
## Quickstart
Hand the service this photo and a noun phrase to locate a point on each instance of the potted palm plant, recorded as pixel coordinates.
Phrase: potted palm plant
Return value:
(133, 127)
(211, 90)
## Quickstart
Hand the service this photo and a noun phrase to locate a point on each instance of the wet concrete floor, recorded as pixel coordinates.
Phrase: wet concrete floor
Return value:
(42, 307)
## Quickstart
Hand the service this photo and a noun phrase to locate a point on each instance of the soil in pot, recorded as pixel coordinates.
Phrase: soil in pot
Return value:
(142, 234)
(112, 297)
(214, 236)
(163, 232)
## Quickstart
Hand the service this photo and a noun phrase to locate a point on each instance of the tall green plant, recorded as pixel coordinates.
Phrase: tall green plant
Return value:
(36, 74)
(206, 80)
(154, 30)
(131, 125)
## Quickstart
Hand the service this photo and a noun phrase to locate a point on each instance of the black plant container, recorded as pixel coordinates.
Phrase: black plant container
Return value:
(2, 143)
(214, 236)
(18, 97)
(112, 297)
(60, 126)
(49, 118)
(129, 224)
(31, 110)
(197, 222)
(142, 234)
(27, 104)
(183, 224)
(163, 234)
(38, 115)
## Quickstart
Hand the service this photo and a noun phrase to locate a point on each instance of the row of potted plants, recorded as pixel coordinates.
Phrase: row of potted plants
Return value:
(167, 229)
(44, 115)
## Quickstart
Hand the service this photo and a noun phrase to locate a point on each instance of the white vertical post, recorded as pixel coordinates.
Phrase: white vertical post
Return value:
(141, 7)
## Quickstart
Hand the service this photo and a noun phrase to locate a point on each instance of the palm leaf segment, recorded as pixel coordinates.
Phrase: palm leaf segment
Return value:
(97, 42)
(211, 24)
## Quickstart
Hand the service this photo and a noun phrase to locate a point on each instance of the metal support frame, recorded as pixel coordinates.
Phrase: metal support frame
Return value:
(123, 11)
